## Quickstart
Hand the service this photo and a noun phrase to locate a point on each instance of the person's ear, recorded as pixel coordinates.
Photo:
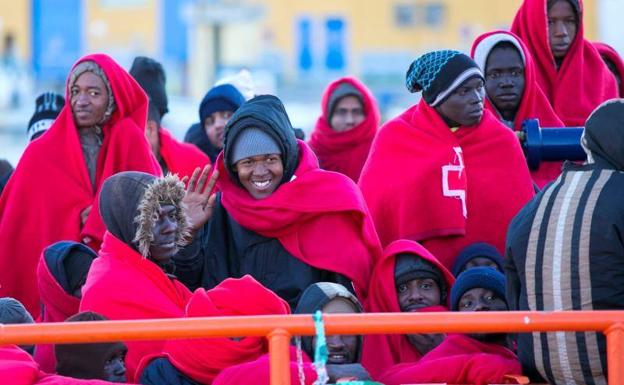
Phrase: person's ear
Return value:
(151, 127)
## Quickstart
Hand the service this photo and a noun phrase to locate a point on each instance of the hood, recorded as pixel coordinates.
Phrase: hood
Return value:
(315, 297)
(69, 263)
(383, 297)
(266, 113)
(129, 201)
(603, 139)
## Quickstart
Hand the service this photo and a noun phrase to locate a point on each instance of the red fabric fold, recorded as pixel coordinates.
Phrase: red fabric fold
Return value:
(122, 285)
(345, 152)
(319, 217)
(58, 306)
(415, 154)
(259, 371)
(50, 187)
(181, 158)
(581, 83)
(383, 351)
(18, 368)
(605, 50)
(459, 359)
(533, 105)
(203, 359)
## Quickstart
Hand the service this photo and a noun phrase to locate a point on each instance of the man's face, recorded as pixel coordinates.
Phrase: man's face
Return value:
(342, 349)
(163, 247)
(480, 299)
(115, 367)
(151, 132)
(260, 175)
(214, 125)
(562, 26)
(89, 100)
(464, 106)
(418, 293)
(504, 79)
(348, 113)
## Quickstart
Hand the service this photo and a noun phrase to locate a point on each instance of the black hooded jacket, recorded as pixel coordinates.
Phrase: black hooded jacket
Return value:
(223, 248)
(566, 247)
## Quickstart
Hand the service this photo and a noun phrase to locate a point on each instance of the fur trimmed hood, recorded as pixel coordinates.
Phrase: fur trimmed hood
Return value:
(129, 203)
(167, 190)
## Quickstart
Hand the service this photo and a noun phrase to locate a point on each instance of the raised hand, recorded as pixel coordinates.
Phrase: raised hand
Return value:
(200, 197)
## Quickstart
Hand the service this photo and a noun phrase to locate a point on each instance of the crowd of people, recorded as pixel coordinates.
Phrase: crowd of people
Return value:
(107, 216)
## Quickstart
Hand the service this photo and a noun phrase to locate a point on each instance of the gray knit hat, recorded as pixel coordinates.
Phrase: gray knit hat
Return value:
(252, 142)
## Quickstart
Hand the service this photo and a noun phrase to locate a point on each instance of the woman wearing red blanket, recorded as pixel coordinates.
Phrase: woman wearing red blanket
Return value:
(132, 277)
(445, 172)
(407, 278)
(569, 68)
(51, 195)
(277, 217)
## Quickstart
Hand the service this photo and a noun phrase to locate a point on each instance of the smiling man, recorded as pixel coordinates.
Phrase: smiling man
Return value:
(344, 351)
(278, 216)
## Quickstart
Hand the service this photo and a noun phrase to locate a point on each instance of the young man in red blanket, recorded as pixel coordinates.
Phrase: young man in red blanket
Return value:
(513, 93)
(570, 70)
(407, 278)
(344, 132)
(133, 276)
(53, 193)
(445, 173)
(466, 359)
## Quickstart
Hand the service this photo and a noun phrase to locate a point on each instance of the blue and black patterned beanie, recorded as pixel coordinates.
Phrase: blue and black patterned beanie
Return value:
(439, 73)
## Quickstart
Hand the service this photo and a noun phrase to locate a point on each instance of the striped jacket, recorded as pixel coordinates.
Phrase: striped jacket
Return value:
(565, 251)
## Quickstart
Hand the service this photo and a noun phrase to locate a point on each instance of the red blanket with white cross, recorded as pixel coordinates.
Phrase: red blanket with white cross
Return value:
(441, 188)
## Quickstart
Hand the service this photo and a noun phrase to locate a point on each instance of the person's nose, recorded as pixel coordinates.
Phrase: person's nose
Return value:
(482, 306)
(415, 295)
(506, 82)
(560, 29)
(120, 368)
(169, 226)
(335, 343)
(260, 169)
(81, 99)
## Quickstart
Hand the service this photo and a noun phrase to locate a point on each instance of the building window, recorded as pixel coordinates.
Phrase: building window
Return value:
(404, 15)
(434, 15)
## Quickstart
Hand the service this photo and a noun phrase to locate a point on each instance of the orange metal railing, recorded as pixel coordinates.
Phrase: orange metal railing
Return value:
(279, 329)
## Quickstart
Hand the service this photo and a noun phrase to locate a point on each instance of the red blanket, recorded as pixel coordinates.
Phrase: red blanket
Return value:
(203, 359)
(319, 217)
(533, 104)
(459, 359)
(181, 158)
(50, 187)
(606, 51)
(122, 285)
(345, 152)
(58, 306)
(581, 83)
(259, 371)
(382, 351)
(444, 189)
(18, 368)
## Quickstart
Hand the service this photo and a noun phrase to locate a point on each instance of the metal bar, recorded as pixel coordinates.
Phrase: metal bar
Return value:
(371, 323)
(279, 341)
(615, 353)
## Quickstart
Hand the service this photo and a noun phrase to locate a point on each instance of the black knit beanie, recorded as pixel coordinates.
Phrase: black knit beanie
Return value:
(408, 267)
(47, 107)
(150, 75)
(437, 74)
